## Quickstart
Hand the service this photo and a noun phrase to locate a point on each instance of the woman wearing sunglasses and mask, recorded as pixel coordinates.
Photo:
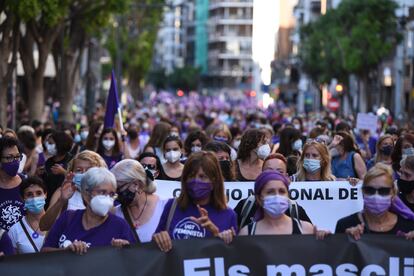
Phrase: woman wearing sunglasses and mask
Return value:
(383, 212)
(140, 206)
(201, 210)
(94, 226)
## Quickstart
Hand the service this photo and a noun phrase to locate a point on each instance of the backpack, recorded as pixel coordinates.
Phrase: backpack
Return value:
(250, 201)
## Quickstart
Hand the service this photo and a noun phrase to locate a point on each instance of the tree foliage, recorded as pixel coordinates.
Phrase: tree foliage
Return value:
(132, 38)
(352, 39)
(186, 78)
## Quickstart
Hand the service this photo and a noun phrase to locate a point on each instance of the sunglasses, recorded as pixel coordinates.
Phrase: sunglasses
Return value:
(148, 166)
(372, 191)
(315, 140)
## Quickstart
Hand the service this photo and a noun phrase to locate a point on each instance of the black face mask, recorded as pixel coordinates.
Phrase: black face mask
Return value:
(126, 197)
(405, 186)
(225, 166)
(133, 134)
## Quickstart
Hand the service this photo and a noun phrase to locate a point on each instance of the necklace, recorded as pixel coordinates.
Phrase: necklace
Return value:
(136, 224)
(35, 234)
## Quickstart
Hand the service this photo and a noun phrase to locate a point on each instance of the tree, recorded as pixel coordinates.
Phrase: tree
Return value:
(8, 46)
(131, 40)
(84, 19)
(44, 21)
(186, 78)
(352, 39)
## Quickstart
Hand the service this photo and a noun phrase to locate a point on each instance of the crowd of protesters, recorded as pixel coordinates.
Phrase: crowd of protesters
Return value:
(75, 186)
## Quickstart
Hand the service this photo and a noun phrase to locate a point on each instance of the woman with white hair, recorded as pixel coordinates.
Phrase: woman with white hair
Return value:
(140, 207)
(94, 226)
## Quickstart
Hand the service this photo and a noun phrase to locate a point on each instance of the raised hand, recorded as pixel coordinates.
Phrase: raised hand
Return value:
(205, 221)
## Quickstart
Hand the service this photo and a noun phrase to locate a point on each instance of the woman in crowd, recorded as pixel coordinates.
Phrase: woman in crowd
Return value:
(95, 132)
(160, 132)
(195, 142)
(223, 153)
(383, 213)
(201, 205)
(221, 133)
(94, 226)
(403, 147)
(58, 145)
(346, 158)
(68, 196)
(246, 208)
(27, 138)
(406, 181)
(150, 162)
(132, 143)
(11, 204)
(290, 142)
(272, 197)
(140, 206)
(253, 149)
(25, 234)
(109, 147)
(173, 168)
(314, 163)
(384, 148)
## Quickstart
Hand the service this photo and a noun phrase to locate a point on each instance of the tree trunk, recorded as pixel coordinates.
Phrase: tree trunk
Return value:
(8, 45)
(34, 76)
(36, 100)
(71, 71)
(136, 89)
(93, 76)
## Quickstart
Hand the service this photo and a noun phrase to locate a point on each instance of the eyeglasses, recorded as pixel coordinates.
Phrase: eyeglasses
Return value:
(104, 193)
(12, 158)
(148, 166)
(383, 191)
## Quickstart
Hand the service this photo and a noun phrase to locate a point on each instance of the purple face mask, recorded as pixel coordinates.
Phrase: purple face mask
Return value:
(198, 189)
(376, 204)
(11, 168)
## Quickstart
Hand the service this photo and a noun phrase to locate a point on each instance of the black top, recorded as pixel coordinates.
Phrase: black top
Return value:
(295, 228)
(54, 181)
(402, 225)
(250, 217)
(239, 176)
(164, 176)
(404, 199)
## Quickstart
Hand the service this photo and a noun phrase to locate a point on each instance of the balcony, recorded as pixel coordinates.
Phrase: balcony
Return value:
(230, 20)
(218, 4)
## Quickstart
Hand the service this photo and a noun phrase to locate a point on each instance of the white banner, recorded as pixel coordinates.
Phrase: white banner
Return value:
(325, 202)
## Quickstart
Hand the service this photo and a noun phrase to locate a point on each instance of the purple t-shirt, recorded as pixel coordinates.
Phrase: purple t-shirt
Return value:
(111, 160)
(182, 227)
(68, 227)
(6, 245)
(11, 207)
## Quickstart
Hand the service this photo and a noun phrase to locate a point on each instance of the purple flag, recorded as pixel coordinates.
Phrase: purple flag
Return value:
(112, 104)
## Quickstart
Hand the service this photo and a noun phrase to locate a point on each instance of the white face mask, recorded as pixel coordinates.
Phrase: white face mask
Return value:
(195, 149)
(175, 134)
(173, 156)
(51, 149)
(263, 151)
(334, 152)
(101, 204)
(108, 144)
